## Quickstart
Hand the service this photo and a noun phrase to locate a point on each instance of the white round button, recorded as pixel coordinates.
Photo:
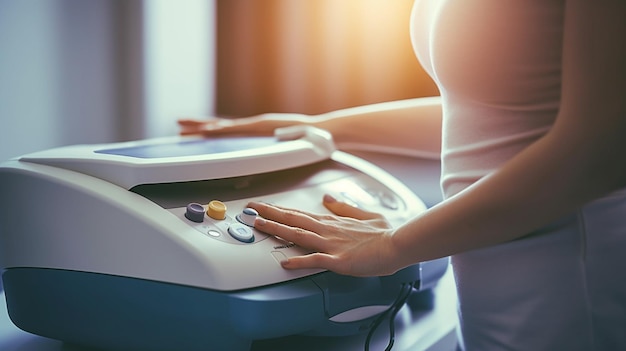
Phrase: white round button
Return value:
(241, 232)
(247, 216)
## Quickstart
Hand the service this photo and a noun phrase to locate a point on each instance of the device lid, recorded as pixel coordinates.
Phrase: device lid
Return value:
(179, 159)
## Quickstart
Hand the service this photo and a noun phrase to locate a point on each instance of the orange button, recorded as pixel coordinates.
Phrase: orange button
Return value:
(216, 210)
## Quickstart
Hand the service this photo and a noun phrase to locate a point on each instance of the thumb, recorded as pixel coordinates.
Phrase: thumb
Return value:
(344, 209)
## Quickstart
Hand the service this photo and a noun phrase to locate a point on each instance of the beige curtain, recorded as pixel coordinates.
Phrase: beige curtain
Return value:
(313, 56)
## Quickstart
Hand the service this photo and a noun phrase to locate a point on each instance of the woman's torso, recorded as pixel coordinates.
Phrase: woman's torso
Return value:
(497, 64)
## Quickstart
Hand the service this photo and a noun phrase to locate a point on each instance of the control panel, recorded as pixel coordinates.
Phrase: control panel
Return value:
(218, 223)
(233, 222)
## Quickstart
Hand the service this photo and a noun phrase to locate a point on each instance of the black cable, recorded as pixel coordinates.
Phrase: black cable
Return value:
(403, 295)
(393, 315)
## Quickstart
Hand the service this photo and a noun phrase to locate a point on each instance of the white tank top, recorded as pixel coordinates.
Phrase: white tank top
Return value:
(498, 67)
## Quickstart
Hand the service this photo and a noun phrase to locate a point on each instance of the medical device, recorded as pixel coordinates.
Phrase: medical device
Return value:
(149, 245)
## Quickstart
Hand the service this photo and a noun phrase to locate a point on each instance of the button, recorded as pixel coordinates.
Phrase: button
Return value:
(216, 210)
(214, 233)
(247, 216)
(195, 212)
(241, 232)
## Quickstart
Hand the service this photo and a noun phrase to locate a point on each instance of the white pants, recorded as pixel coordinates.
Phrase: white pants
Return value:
(561, 288)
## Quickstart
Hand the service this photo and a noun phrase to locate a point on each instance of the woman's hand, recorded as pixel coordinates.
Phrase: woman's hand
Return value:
(352, 242)
(264, 124)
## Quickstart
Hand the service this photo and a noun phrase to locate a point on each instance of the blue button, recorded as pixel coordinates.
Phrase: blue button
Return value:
(241, 232)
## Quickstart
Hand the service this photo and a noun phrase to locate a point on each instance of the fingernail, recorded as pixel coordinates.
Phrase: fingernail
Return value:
(259, 221)
(329, 199)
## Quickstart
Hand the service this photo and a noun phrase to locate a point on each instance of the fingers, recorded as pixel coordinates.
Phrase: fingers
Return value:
(303, 238)
(191, 126)
(315, 222)
(288, 217)
(344, 209)
(300, 236)
(214, 126)
(264, 124)
(314, 260)
(339, 208)
(337, 242)
(187, 122)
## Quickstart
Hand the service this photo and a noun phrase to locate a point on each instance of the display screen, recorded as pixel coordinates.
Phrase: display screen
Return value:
(192, 147)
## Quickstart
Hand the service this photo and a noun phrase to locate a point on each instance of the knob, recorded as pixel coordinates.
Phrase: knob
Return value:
(195, 212)
(247, 216)
(216, 210)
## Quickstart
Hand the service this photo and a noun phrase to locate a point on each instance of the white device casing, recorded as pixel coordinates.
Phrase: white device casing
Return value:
(304, 145)
(62, 219)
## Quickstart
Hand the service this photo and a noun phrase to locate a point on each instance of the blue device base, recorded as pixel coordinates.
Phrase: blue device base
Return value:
(121, 313)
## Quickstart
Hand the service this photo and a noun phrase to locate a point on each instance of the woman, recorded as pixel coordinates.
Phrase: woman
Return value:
(533, 149)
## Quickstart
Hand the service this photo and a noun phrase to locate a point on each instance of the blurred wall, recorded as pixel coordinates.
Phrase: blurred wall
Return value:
(313, 56)
(57, 81)
(179, 38)
(78, 71)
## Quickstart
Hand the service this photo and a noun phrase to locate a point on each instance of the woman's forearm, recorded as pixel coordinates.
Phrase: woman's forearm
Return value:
(411, 127)
(548, 180)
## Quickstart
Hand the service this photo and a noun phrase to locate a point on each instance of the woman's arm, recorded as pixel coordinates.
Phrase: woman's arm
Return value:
(410, 127)
(581, 158)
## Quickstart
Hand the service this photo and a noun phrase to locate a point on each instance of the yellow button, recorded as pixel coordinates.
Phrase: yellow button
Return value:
(216, 210)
